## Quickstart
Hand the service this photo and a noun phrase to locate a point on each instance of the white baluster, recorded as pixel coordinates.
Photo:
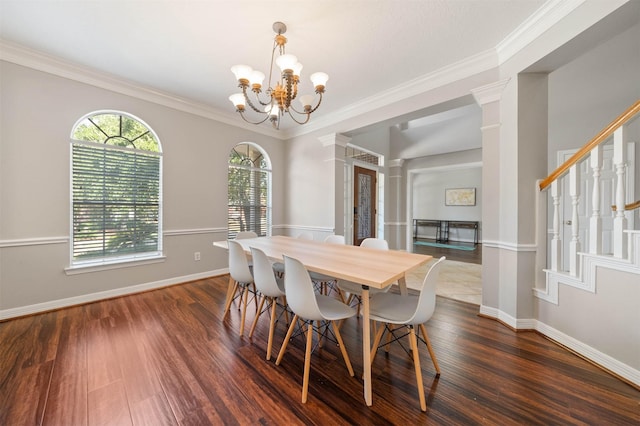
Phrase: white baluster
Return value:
(620, 221)
(574, 245)
(595, 221)
(556, 242)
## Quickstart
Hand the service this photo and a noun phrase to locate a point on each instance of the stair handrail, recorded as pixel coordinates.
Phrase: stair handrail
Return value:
(597, 140)
(628, 207)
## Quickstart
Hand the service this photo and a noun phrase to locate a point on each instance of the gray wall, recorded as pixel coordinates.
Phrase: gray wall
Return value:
(39, 111)
(428, 191)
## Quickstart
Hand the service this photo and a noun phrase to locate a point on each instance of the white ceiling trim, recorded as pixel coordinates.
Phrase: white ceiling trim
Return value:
(468, 67)
(39, 61)
(542, 20)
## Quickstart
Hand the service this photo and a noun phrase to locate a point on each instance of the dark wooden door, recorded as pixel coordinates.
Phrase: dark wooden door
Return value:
(364, 202)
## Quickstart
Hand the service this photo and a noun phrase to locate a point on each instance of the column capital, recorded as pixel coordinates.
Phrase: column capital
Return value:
(396, 163)
(334, 139)
(490, 92)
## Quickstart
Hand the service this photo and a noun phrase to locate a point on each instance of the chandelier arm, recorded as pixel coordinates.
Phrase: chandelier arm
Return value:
(311, 110)
(246, 98)
(263, 103)
(251, 122)
(301, 113)
(318, 105)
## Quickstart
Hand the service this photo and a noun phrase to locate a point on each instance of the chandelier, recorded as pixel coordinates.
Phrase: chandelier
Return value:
(276, 101)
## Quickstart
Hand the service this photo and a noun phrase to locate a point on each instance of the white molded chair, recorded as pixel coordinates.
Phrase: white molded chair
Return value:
(309, 307)
(334, 239)
(411, 312)
(354, 289)
(240, 280)
(305, 236)
(246, 234)
(323, 282)
(270, 288)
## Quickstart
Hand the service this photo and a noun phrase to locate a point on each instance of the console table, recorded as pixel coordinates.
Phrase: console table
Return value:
(443, 226)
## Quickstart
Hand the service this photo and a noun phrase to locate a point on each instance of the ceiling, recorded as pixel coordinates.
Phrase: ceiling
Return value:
(185, 49)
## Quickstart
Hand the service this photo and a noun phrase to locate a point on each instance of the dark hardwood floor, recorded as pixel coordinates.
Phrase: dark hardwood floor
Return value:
(165, 357)
(469, 256)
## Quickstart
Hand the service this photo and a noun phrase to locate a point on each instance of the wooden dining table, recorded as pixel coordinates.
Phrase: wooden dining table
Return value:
(371, 268)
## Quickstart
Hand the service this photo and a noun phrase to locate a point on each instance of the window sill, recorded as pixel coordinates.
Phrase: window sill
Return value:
(83, 268)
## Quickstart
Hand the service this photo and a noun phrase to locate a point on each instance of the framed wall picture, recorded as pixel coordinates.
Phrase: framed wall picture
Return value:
(460, 197)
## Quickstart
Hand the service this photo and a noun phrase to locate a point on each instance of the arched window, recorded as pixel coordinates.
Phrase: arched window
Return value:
(249, 190)
(116, 189)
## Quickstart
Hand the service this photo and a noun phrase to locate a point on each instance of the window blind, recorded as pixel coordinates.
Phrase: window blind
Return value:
(248, 201)
(116, 201)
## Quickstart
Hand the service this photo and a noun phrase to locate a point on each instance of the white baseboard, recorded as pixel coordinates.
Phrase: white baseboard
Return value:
(102, 295)
(599, 358)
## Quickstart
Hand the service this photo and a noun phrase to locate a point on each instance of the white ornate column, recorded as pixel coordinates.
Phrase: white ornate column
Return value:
(396, 214)
(488, 97)
(335, 143)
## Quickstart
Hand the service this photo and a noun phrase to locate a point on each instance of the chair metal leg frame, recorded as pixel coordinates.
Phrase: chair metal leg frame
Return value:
(413, 339)
(309, 348)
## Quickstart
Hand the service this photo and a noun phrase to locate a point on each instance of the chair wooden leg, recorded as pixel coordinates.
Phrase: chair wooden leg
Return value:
(307, 363)
(286, 339)
(416, 364)
(431, 353)
(272, 326)
(233, 287)
(258, 313)
(376, 342)
(343, 349)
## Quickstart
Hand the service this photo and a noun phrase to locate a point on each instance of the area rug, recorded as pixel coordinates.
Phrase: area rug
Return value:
(457, 280)
(441, 245)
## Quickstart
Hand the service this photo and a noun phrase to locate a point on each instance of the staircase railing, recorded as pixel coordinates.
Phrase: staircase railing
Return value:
(592, 151)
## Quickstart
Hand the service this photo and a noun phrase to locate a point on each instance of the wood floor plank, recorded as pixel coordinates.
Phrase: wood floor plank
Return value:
(108, 406)
(167, 357)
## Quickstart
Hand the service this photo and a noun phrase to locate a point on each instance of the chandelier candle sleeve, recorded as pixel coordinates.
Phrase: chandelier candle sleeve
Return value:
(276, 101)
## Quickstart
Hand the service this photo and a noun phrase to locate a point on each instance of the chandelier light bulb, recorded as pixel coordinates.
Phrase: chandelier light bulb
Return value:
(297, 68)
(286, 62)
(306, 101)
(272, 110)
(256, 78)
(237, 99)
(242, 72)
(319, 80)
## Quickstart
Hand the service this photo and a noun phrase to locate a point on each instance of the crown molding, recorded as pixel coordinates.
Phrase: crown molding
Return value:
(39, 61)
(460, 70)
(549, 14)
